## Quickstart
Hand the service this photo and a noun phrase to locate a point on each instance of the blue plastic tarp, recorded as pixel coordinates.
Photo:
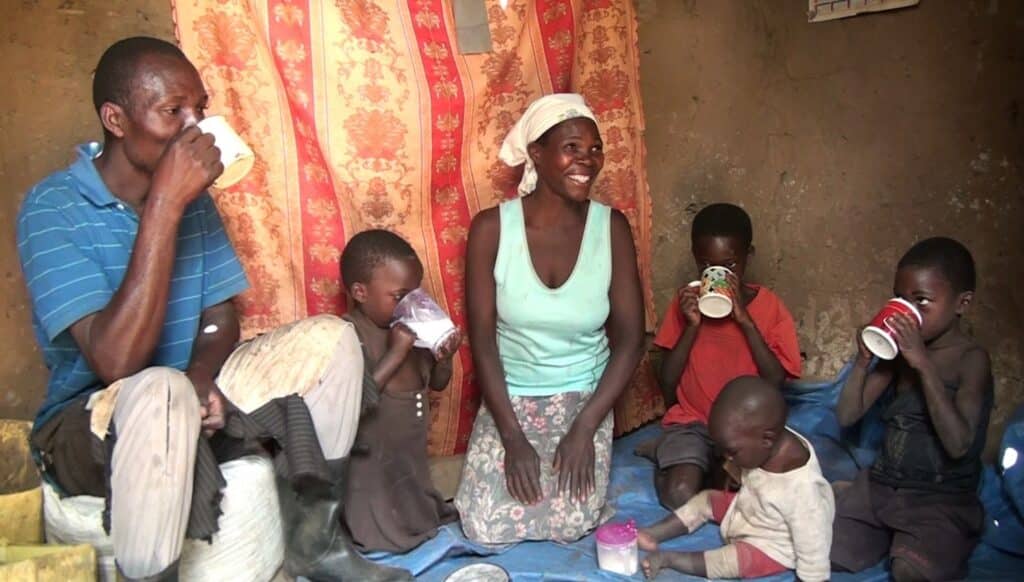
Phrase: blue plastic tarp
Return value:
(631, 493)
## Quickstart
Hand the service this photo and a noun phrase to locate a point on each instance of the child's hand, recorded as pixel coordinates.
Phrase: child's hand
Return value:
(688, 297)
(645, 541)
(908, 338)
(739, 311)
(864, 355)
(401, 338)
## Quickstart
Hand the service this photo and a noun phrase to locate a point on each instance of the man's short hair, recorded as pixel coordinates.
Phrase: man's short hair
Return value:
(369, 250)
(723, 219)
(117, 70)
(947, 255)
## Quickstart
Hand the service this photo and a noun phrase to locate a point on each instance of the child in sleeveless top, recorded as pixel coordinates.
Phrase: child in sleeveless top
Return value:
(390, 502)
(918, 502)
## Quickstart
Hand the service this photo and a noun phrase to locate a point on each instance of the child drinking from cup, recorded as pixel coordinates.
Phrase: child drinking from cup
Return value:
(918, 502)
(780, 519)
(391, 503)
(756, 337)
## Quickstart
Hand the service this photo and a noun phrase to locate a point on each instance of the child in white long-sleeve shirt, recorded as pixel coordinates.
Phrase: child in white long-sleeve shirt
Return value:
(780, 519)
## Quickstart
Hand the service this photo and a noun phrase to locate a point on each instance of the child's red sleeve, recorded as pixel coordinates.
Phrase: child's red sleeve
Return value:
(783, 342)
(672, 326)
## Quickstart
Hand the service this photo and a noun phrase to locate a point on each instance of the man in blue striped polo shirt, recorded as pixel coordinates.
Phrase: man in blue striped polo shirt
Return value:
(131, 274)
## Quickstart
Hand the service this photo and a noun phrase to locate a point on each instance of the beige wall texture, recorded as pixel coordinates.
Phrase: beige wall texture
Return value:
(845, 140)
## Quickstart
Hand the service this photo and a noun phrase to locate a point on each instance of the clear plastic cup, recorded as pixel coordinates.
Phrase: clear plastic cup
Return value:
(433, 328)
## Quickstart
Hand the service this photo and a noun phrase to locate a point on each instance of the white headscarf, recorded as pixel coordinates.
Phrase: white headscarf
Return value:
(540, 116)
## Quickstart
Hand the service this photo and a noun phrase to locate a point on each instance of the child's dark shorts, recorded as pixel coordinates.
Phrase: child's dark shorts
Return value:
(934, 532)
(687, 443)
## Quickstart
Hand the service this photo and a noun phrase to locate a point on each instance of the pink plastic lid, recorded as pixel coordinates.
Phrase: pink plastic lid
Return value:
(617, 534)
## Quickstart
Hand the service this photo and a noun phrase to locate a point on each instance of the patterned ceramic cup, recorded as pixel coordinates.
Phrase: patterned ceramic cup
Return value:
(877, 336)
(236, 156)
(715, 294)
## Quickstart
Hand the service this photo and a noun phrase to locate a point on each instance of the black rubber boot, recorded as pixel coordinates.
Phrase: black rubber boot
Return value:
(169, 574)
(317, 547)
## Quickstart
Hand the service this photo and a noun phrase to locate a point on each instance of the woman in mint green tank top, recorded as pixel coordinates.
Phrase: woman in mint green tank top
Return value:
(556, 331)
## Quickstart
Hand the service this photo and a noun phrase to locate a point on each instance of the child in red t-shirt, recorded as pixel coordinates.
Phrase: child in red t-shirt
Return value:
(758, 338)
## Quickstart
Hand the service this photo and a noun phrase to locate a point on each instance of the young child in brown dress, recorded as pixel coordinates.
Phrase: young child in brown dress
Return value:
(390, 501)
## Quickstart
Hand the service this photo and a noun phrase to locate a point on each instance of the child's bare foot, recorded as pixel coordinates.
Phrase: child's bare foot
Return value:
(652, 564)
(647, 450)
(645, 541)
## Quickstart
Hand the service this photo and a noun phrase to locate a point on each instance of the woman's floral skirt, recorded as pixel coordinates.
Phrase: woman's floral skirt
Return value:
(491, 515)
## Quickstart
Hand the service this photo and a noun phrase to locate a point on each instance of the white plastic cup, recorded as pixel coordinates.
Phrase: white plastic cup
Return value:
(432, 326)
(236, 156)
(715, 294)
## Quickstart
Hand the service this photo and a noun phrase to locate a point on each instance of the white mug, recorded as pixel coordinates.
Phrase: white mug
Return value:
(715, 294)
(236, 156)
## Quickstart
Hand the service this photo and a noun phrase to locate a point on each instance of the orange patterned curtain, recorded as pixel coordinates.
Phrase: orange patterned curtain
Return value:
(363, 114)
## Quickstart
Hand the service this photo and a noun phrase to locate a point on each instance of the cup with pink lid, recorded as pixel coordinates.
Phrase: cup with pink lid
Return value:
(617, 547)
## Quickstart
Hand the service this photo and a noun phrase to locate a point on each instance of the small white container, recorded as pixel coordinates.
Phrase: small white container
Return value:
(616, 548)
